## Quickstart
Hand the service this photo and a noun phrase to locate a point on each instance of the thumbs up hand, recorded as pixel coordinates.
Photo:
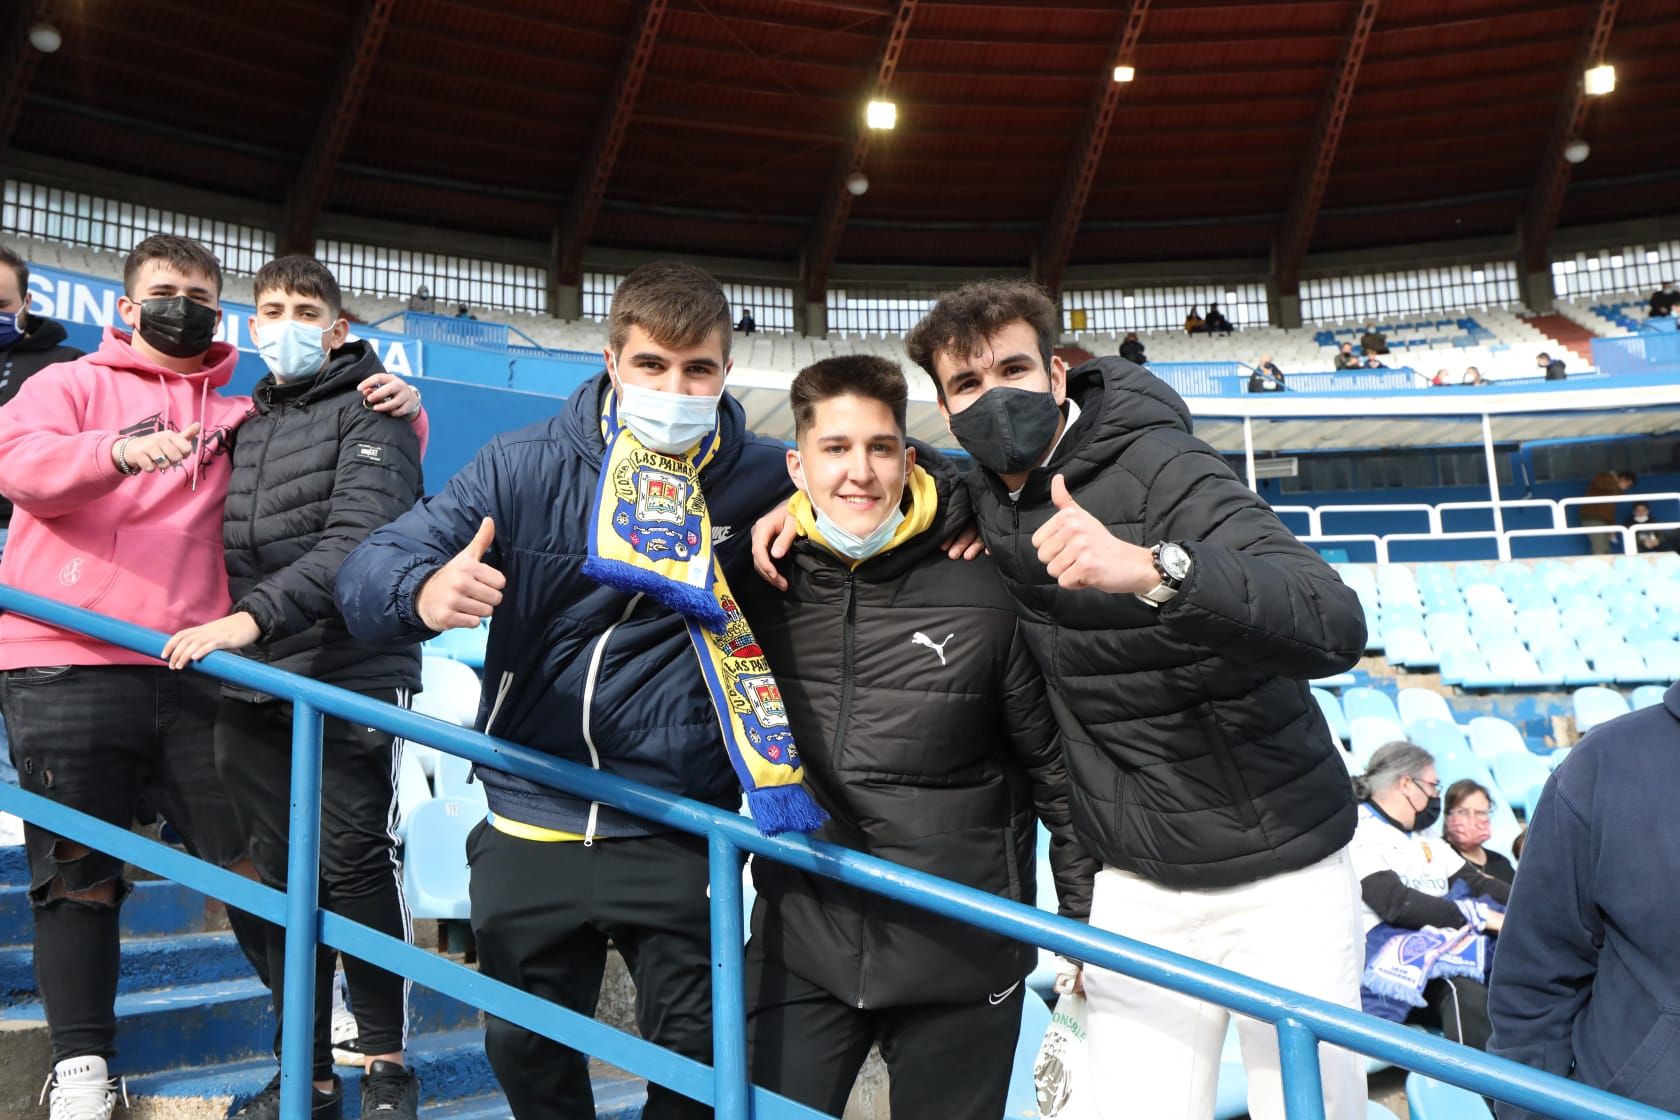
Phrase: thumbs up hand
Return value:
(1080, 552)
(466, 589)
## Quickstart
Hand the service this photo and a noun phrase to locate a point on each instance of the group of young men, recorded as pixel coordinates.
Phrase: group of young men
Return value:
(1126, 662)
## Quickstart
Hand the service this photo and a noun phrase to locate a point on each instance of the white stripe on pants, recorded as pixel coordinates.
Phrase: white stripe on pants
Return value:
(1154, 1054)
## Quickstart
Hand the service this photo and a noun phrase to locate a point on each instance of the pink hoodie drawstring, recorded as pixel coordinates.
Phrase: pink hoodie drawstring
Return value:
(198, 457)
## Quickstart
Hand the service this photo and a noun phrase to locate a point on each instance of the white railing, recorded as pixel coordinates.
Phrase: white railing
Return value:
(1558, 507)
(1380, 542)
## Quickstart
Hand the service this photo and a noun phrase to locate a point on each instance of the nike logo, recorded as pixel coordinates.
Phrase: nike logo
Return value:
(1007, 992)
(921, 639)
(721, 533)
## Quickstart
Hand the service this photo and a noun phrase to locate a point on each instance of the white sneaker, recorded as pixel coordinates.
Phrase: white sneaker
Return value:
(82, 1089)
(344, 1029)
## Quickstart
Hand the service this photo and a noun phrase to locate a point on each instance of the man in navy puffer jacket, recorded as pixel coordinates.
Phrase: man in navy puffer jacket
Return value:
(589, 674)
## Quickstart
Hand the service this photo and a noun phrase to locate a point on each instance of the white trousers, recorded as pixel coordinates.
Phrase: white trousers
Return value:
(1154, 1054)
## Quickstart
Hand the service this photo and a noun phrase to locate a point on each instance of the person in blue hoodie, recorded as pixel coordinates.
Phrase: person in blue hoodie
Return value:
(601, 543)
(1587, 984)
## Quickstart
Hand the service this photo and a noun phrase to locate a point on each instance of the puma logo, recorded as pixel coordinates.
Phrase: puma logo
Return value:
(921, 639)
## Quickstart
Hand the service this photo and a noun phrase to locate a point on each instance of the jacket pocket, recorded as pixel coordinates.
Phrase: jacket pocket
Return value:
(1652, 1071)
(1229, 773)
(160, 579)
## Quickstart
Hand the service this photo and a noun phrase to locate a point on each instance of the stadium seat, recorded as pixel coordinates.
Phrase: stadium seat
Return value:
(1448, 631)
(1517, 773)
(466, 646)
(1409, 647)
(1624, 664)
(435, 857)
(454, 779)
(449, 691)
(1460, 666)
(1510, 665)
(1420, 703)
(412, 788)
(1593, 706)
(1486, 599)
(1472, 575)
(1375, 1111)
(1491, 736)
(1362, 703)
(1369, 733)
(1428, 1099)
(1439, 737)
(1647, 695)
(1662, 658)
(1332, 709)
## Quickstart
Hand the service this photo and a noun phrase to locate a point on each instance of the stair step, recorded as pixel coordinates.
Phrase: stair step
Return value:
(225, 1021)
(147, 963)
(154, 908)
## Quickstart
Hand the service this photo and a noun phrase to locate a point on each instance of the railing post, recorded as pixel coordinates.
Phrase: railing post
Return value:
(297, 1035)
(729, 1018)
(1303, 1087)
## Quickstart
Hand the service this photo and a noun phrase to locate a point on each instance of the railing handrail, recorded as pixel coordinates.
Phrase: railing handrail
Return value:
(1559, 508)
(1302, 1021)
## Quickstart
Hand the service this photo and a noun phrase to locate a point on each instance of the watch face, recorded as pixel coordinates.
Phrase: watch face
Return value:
(1175, 561)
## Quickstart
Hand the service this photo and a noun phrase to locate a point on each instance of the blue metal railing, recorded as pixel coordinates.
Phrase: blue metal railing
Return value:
(1302, 1022)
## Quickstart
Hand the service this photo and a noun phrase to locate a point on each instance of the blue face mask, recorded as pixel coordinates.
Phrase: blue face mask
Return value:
(293, 351)
(850, 545)
(10, 329)
(667, 422)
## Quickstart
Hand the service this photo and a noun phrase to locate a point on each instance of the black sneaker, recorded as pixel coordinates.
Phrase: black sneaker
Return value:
(266, 1104)
(390, 1092)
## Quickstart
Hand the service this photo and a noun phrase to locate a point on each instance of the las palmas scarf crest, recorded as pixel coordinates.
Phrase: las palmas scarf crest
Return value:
(651, 534)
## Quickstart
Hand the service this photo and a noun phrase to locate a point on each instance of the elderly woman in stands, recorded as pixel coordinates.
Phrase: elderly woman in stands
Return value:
(1469, 825)
(1427, 912)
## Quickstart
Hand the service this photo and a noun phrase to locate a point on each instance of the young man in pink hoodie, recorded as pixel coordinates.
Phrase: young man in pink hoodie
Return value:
(118, 465)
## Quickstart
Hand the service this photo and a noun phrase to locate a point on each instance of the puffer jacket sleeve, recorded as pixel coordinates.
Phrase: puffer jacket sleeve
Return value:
(1254, 591)
(376, 478)
(1037, 746)
(377, 585)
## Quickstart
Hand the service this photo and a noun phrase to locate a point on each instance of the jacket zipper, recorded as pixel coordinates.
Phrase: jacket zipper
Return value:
(848, 673)
(256, 491)
(588, 705)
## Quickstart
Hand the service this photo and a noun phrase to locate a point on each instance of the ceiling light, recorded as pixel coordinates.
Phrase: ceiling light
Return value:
(1125, 73)
(1599, 80)
(857, 182)
(45, 38)
(881, 114)
(1576, 151)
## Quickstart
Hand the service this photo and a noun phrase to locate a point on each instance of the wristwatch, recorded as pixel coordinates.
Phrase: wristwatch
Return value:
(1172, 563)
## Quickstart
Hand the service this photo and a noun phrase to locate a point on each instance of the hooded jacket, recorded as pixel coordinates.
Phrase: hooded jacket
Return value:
(579, 670)
(146, 548)
(42, 346)
(314, 472)
(923, 726)
(1196, 755)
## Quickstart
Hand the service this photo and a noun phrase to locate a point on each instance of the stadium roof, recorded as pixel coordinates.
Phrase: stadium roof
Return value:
(729, 127)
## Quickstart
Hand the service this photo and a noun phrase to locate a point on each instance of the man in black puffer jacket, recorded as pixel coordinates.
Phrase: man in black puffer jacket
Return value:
(1177, 623)
(315, 470)
(923, 726)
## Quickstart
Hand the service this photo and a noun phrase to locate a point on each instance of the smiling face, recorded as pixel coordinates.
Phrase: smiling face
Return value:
(853, 462)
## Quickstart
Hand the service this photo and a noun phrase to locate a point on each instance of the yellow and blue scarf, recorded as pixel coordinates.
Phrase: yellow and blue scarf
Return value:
(652, 535)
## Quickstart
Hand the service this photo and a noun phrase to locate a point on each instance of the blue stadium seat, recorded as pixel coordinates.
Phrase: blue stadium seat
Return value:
(449, 691)
(1517, 773)
(1455, 765)
(1420, 703)
(1401, 616)
(1644, 634)
(1647, 695)
(1448, 631)
(1375, 1111)
(1439, 738)
(1593, 706)
(1428, 1099)
(1362, 703)
(1472, 575)
(412, 788)
(1491, 736)
(1562, 659)
(1409, 647)
(454, 780)
(1369, 734)
(1623, 663)
(1332, 709)
(1662, 659)
(1461, 665)
(435, 858)
(1361, 577)
(1511, 663)
(1486, 600)
(1336, 680)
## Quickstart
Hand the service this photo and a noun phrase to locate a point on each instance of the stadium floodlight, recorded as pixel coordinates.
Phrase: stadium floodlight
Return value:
(1599, 80)
(44, 37)
(857, 182)
(881, 114)
(1576, 151)
(1125, 73)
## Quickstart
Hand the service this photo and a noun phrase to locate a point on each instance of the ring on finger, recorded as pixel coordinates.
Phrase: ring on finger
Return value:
(161, 460)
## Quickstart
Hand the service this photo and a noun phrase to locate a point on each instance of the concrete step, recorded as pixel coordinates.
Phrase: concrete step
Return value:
(154, 908)
(147, 963)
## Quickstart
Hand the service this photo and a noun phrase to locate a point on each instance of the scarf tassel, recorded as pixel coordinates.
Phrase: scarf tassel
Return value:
(691, 602)
(779, 809)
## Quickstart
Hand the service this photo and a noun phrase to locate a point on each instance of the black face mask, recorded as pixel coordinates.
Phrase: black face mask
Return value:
(177, 326)
(1007, 430)
(1428, 815)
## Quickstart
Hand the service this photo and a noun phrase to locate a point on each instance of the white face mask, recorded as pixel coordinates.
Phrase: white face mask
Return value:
(849, 544)
(667, 422)
(293, 351)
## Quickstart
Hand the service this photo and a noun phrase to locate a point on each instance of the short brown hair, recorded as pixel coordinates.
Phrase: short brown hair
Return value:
(299, 275)
(676, 303)
(1460, 791)
(18, 265)
(851, 375)
(964, 319)
(182, 252)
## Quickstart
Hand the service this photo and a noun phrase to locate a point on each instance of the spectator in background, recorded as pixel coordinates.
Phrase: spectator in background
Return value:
(1345, 357)
(1405, 878)
(1373, 341)
(1648, 540)
(1266, 377)
(1193, 323)
(1216, 321)
(1608, 484)
(1553, 366)
(463, 313)
(1469, 824)
(1472, 376)
(422, 301)
(1589, 974)
(1439, 379)
(748, 324)
(1664, 299)
(1132, 350)
(1373, 362)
